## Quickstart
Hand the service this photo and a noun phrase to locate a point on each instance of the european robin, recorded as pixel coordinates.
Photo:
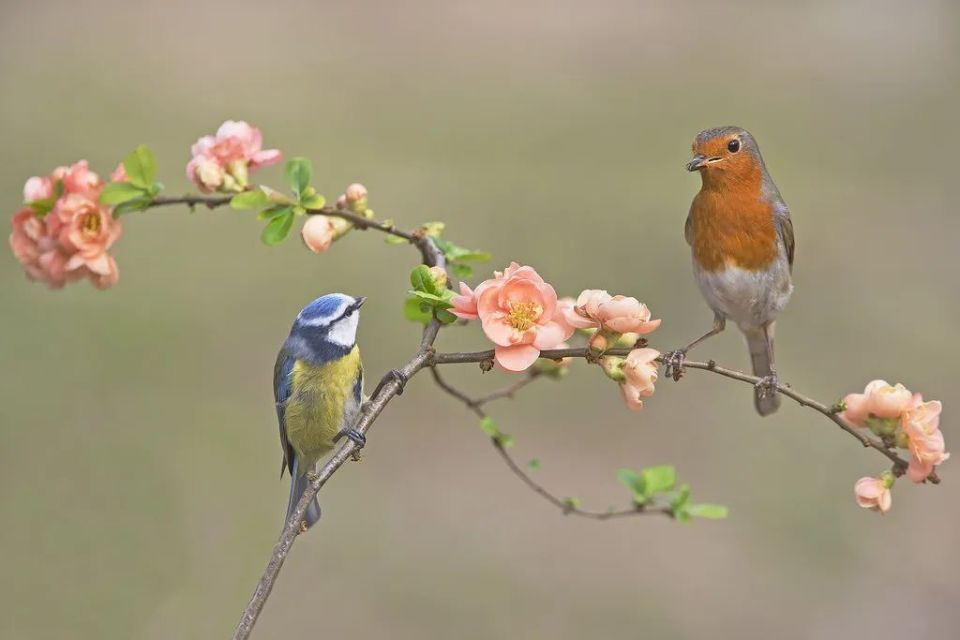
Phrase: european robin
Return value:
(741, 237)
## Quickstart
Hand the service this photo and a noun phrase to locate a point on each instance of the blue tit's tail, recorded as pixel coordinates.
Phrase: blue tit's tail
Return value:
(298, 485)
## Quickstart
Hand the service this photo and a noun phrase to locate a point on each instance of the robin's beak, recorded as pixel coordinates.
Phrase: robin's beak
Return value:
(697, 162)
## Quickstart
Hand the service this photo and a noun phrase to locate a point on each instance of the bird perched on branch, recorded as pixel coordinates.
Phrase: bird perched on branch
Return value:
(318, 387)
(741, 236)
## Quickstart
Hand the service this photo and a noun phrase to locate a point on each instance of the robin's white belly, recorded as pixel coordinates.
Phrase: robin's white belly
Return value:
(752, 299)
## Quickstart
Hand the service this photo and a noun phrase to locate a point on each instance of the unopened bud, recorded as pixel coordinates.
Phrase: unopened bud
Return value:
(439, 275)
(613, 367)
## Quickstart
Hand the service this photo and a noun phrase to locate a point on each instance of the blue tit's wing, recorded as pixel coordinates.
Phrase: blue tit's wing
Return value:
(281, 393)
(358, 386)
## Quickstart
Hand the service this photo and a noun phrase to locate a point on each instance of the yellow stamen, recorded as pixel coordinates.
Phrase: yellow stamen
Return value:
(523, 315)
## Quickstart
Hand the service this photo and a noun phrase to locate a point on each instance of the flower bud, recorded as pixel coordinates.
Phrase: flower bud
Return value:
(238, 169)
(439, 275)
(613, 367)
(318, 233)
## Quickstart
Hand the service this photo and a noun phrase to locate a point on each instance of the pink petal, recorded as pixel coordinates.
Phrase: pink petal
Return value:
(499, 331)
(516, 358)
(265, 158)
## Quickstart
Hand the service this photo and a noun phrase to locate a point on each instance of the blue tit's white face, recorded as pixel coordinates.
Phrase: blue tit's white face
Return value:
(330, 319)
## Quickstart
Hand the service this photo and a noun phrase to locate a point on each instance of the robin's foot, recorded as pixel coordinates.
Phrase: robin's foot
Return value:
(312, 476)
(673, 363)
(394, 374)
(767, 385)
(358, 438)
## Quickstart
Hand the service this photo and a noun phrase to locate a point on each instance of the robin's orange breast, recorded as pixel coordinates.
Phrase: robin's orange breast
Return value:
(732, 227)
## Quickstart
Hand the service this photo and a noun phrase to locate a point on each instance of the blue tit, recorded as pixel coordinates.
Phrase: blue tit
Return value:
(318, 386)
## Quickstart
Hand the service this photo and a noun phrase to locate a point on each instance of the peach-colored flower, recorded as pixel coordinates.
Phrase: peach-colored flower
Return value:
(597, 309)
(519, 314)
(622, 314)
(640, 372)
(318, 233)
(873, 494)
(71, 242)
(355, 193)
(921, 424)
(222, 162)
(879, 399)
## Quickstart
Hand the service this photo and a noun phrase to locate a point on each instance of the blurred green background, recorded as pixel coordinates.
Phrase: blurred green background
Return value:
(139, 495)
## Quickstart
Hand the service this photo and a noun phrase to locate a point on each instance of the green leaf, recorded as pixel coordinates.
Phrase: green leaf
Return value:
(441, 301)
(489, 427)
(572, 502)
(137, 204)
(505, 440)
(710, 511)
(433, 229)
(633, 481)
(141, 167)
(658, 479)
(533, 464)
(117, 192)
(462, 271)
(681, 514)
(315, 201)
(298, 172)
(273, 212)
(423, 280)
(255, 199)
(395, 240)
(278, 227)
(445, 316)
(680, 501)
(467, 255)
(417, 311)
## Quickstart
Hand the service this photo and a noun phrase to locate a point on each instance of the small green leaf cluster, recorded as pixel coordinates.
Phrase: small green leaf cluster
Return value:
(489, 427)
(429, 296)
(458, 258)
(140, 188)
(660, 481)
(277, 208)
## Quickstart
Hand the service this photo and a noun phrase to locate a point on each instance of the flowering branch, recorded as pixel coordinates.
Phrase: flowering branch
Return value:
(832, 412)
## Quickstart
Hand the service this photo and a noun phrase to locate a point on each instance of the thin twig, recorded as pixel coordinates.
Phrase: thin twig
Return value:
(899, 464)
(565, 505)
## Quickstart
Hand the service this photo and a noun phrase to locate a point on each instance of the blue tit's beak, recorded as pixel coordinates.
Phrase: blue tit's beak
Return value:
(359, 302)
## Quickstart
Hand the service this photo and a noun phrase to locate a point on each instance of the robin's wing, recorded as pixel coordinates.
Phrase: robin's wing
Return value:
(781, 218)
(688, 230)
(281, 393)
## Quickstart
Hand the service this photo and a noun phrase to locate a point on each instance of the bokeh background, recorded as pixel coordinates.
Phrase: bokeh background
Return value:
(139, 457)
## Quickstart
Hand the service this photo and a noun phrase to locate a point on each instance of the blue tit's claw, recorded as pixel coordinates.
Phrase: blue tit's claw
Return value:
(673, 364)
(767, 385)
(394, 374)
(358, 438)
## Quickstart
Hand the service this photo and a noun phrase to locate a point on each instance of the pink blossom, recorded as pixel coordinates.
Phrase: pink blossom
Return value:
(873, 494)
(519, 314)
(879, 399)
(223, 162)
(318, 233)
(597, 309)
(921, 424)
(640, 373)
(71, 242)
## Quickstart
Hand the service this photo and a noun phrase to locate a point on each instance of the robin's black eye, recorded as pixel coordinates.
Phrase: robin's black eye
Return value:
(733, 146)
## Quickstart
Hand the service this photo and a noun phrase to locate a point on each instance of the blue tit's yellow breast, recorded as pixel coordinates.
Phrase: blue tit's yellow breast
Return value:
(321, 401)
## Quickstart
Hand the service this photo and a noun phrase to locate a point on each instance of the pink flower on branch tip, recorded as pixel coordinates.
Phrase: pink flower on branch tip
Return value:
(921, 424)
(223, 162)
(71, 241)
(873, 493)
(518, 312)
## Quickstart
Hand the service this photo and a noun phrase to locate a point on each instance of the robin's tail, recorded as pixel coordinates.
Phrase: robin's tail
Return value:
(761, 356)
(299, 484)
